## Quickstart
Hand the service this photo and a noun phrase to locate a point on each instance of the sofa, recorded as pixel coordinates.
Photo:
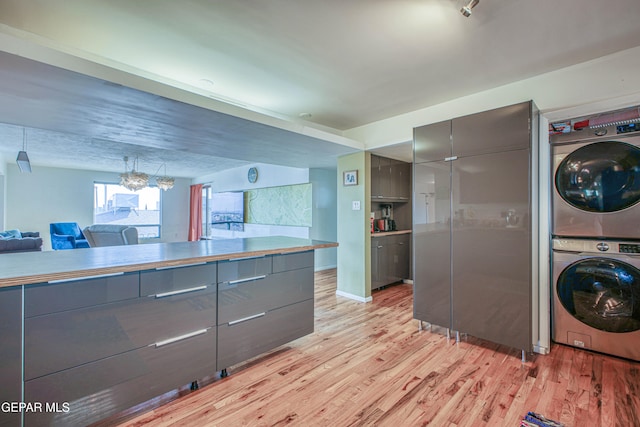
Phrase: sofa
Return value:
(110, 235)
(15, 241)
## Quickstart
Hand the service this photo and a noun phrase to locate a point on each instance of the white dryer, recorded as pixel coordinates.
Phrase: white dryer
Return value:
(597, 182)
(596, 295)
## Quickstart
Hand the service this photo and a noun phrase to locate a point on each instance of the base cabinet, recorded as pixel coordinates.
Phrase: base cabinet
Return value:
(390, 259)
(94, 347)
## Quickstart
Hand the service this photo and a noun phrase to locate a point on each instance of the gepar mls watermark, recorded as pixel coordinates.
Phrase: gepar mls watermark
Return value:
(28, 407)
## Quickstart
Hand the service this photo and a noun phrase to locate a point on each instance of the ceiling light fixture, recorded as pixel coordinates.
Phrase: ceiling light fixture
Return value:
(466, 10)
(164, 182)
(133, 180)
(23, 160)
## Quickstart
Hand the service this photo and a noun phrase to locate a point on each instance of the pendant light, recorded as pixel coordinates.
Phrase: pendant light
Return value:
(23, 160)
(133, 180)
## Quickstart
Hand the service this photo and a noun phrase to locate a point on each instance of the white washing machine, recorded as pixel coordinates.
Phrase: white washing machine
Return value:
(596, 295)
(597, 182)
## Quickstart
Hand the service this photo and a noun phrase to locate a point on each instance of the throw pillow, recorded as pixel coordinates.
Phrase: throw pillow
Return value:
(11, 234)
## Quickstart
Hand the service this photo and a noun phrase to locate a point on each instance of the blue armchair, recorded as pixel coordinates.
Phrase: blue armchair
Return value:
(67, 235)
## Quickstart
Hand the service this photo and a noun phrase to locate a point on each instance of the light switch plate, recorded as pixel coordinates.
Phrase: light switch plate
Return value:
(355, 205)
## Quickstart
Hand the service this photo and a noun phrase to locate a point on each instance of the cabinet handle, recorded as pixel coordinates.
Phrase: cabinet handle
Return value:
(244, 319)
(180, 338)
(169, 267)
(380, 246)
(247, 279)
(97, 276)
(247, 257)
(449, 159)
(180, 291)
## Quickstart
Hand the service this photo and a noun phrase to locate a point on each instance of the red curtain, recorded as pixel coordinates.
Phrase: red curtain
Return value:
(195, 213)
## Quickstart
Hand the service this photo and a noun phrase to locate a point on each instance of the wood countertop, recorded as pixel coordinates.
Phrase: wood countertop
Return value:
(37, 267)
(390, 233)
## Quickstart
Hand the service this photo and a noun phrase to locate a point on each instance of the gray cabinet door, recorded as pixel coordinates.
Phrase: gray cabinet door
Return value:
(401, 180)
(380, 177)
(432, 243)
(238, 342)
(177, 279)
(99, 389)
(432, 142)
(492, 131)
(401, 256)
(492, 259)
(379, 262)
(10, 352)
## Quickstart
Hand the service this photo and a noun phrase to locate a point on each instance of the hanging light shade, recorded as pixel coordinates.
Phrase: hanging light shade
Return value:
(133, 180)
(23, 160)
(164, 182)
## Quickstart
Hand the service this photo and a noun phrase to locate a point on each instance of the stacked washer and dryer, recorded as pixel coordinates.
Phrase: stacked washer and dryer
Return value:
(596, 232)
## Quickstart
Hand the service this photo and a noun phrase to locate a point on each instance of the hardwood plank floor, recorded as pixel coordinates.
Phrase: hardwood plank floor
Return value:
(368, 364)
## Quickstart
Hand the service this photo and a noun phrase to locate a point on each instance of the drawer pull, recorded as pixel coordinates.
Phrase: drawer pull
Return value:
(247, 257)
(97, 276)
(180, 338)
(244, 319)
(169, 267)
(180, 291)
(248, 279)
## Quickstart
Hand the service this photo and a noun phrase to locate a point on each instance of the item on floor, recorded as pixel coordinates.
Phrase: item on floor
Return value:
(532, 420)
(67, 235)
(16, 241)
(111, 235)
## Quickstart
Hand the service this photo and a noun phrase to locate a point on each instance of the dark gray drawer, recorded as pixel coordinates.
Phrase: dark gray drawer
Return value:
(251, 297)
(243, 268)
(63, 340)
(241, 341)
(292, 261)
(54, 297)
(173, 279)
(97, 390)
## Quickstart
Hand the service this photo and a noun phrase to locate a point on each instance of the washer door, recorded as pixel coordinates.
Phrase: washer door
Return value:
(603, 293)
(600, 177)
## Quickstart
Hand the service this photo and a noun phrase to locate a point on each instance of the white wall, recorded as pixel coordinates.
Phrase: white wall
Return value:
(34, 200)
(3, 191)
(325, 215)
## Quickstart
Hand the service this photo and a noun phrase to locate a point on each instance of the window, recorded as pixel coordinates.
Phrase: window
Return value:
(114, 204)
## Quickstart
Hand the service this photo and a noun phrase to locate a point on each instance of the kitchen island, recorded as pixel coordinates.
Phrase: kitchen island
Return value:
(88, 333)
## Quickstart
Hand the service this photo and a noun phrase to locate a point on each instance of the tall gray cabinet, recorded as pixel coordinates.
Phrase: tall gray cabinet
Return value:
(472, 227)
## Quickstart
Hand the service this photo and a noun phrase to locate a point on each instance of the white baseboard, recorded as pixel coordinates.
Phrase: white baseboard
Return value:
(407, 281)
(354, 297)
(325, 267)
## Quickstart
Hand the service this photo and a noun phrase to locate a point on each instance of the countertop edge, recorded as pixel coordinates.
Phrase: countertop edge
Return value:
(28, 279)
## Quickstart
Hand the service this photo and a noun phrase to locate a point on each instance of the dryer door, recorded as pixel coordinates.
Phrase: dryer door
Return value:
(600, 177)
(603, 293)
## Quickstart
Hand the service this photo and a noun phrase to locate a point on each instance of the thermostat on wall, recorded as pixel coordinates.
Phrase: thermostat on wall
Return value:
(252, 175)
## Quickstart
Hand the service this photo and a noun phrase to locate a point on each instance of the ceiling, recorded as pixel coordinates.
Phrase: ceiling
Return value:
(340, 64)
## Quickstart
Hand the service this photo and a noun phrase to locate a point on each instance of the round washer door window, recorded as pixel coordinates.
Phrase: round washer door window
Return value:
(600, 177)
(602, 293)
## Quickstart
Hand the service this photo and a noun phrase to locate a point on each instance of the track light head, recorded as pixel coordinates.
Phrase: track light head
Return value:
(466, 10)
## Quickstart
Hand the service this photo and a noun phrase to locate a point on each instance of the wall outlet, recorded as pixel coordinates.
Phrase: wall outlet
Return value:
(355, 205)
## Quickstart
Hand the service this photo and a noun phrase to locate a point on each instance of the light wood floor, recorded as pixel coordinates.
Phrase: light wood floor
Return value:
(367, 364)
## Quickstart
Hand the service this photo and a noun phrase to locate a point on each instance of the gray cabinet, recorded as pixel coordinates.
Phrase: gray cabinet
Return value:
(390, 179)
(10, 352)
(122, 341)
(390, 259)
(472, 270)
(261, 308)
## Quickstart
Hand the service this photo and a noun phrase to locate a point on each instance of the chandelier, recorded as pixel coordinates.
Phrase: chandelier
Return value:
(133, 180)
(164, 182)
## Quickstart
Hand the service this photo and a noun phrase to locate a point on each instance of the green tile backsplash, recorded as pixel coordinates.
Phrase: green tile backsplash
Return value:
(286, 205)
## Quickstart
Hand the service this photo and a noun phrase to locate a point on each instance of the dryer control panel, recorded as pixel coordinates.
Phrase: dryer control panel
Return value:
(627, 248)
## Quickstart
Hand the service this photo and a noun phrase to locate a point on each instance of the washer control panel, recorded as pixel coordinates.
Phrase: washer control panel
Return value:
(626, 248)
